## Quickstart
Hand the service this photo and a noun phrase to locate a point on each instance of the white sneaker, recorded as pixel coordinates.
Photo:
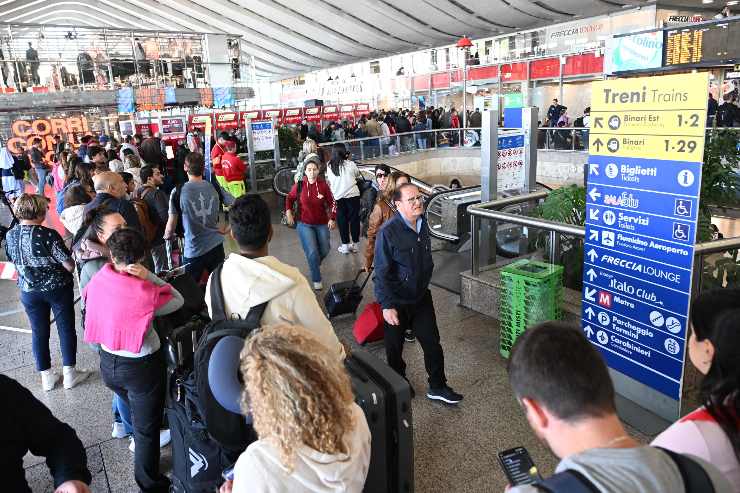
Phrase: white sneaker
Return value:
(49, 379)
(353, 248)
(165, 437)
(318, 286)
(119, 431)
(73, 376)
(343, 249)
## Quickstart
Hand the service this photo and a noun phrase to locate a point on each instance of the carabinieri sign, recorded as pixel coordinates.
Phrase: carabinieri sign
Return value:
(644, 177)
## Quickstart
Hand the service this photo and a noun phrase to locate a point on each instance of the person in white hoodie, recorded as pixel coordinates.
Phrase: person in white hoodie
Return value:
(75, 199)
(252, 277)
(342, 176)
(312, 436)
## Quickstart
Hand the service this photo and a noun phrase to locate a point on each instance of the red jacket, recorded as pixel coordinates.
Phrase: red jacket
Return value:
(312, 209)
(217, 153)
(232, 168)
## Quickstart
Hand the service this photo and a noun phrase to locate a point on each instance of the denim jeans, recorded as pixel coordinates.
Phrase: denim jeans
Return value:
(421, 142)
(201, 267)
(39, 305)
(122, 414)
(140, 383)
(41, 173)
(315, 242)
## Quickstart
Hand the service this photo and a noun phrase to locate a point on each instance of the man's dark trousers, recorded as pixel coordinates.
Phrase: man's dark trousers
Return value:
(419, 317)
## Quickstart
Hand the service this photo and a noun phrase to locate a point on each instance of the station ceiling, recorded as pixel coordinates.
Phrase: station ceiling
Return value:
(291, 37)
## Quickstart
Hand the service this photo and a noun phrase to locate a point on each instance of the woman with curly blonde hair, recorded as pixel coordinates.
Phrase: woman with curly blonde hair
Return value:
(312, 436)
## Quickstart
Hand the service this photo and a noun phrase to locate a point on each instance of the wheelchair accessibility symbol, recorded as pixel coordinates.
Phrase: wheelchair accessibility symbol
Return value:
(680, 231)
(682, 207)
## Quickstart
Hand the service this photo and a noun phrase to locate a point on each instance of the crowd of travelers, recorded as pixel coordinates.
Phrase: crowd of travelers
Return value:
(122, 211)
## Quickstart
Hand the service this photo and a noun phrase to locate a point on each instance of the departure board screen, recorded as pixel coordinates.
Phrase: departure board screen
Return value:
(715, 43)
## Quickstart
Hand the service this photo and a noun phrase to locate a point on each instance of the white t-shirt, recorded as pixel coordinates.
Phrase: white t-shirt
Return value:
(344, 186)
(704, 438)
(259, 468)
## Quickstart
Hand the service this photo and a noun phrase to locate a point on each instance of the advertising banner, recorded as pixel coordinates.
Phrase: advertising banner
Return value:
(253, 115)
(346, 111)
(634, 52)
(198, 121)
(331, 112)
(313, 114)
(292, 116)
(227, 121)
(361, 109)
(172, 126)
(644, 178)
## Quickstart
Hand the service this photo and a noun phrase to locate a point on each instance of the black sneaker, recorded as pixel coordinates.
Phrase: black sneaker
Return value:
(445, 394)
(409, 336)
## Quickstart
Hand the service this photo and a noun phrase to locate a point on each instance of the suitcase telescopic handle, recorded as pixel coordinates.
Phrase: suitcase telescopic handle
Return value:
(367, 278)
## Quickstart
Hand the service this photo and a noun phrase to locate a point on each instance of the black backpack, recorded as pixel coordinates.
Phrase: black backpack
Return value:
(206, 438)
(695, 478)
(229, 429)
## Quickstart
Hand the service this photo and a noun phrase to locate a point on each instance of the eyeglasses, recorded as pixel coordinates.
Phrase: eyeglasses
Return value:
(418, 198)
(380, 175)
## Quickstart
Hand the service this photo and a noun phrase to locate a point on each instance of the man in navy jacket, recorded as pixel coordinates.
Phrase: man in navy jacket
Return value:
(403, 269)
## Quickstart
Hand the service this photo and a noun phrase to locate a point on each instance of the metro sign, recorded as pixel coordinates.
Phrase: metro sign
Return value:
(605, 299)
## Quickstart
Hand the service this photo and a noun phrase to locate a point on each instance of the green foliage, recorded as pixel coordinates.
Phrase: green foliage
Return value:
(290, 144)
(719, 183)
(566, 205)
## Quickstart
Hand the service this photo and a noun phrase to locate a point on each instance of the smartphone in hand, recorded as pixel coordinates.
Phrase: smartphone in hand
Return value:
(518, 466)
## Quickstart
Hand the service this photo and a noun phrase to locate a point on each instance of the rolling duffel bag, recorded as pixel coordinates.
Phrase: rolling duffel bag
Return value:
(369, 325)
(344, 297)
(385, 398)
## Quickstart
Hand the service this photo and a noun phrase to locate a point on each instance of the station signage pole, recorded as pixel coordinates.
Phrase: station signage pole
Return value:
(642, 201)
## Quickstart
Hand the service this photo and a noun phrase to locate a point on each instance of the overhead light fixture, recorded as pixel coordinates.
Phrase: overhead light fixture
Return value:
(707, 1)
(730, 4)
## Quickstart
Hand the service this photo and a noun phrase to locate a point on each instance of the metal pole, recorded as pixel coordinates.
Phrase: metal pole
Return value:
(488, 177)
(362, 151)
(554, 247)
(136, 60)
(465, 88)
(474, 239)
(529, 126)
(250, 157)
(276, 142)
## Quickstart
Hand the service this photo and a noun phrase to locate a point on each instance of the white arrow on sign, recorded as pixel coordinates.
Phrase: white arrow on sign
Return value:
(590, 312)
(593, 214)
(592, 254)
(593, 169)
(589, 293)
(591, 274)
(589, 331)
(593, 235)
(594, 194)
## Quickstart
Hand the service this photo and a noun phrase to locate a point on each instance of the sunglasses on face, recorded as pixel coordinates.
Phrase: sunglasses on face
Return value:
(380, 175)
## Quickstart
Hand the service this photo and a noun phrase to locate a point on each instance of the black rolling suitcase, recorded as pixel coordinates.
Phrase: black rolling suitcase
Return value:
(344, 297)
(385, 398)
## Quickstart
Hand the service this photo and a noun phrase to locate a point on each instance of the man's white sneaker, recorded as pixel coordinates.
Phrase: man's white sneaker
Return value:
(73, 376)
(318, 286)
(49, 379)
(343, 249)
(165, 437)
(119, 431)
(353, 248)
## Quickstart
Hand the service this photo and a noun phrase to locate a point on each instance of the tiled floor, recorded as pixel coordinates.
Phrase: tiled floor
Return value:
(454, 447)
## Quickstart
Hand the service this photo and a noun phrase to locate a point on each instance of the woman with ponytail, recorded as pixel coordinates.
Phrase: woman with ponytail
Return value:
(712, 432)
(342, 175)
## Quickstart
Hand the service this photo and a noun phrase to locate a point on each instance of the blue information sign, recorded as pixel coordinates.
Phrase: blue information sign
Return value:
(641, 217)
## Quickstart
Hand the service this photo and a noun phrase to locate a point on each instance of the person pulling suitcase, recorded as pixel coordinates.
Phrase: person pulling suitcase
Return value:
(403, 270)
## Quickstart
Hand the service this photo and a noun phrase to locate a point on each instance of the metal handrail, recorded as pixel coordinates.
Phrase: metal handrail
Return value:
(413, 132)
(490, 210)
